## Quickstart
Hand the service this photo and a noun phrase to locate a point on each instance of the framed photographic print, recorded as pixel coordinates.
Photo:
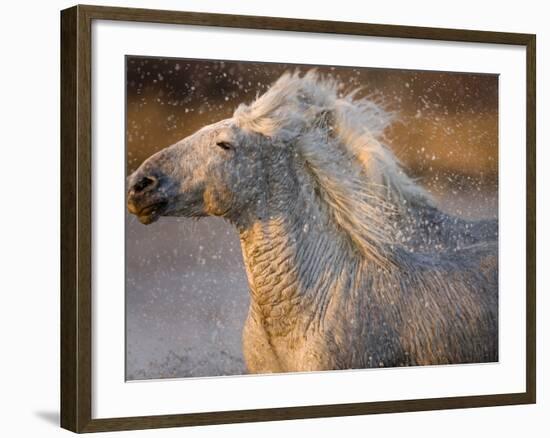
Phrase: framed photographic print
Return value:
(268, 218)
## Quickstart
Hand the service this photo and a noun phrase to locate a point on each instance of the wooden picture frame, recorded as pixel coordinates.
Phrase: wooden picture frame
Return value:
(76, 218)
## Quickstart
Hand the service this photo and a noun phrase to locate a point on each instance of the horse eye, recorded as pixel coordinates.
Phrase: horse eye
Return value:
(224, 145)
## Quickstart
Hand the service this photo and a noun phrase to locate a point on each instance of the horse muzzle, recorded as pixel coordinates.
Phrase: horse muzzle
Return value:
(147, 214)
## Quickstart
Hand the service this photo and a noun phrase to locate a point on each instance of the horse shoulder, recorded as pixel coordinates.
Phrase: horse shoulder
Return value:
(259, 354)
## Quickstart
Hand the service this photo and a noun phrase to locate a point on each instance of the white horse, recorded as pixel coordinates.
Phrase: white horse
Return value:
(349, 263)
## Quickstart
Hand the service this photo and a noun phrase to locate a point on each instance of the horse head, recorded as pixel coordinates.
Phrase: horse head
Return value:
(213, 172)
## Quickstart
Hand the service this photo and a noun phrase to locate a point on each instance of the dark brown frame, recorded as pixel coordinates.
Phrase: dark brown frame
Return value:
(76, 168)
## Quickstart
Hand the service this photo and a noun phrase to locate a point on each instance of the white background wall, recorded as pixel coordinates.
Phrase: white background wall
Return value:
(29, 215)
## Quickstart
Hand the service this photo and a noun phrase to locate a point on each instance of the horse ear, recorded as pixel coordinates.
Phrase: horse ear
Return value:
(325, 119)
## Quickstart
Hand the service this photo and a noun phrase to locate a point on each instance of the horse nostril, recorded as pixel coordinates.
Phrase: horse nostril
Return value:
(146, 182)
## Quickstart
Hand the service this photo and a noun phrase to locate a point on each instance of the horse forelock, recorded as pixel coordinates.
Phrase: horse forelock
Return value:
(340, 138)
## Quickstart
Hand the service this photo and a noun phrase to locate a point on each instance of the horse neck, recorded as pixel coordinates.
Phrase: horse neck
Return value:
(294, 256)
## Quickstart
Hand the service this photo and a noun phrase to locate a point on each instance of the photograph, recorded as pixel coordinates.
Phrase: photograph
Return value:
(285, 218)
(270, 217)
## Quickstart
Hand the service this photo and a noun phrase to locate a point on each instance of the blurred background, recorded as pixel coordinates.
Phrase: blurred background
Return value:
(186, 290)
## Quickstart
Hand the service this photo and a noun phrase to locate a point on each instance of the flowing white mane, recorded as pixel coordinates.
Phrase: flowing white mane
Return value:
(340, 139)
